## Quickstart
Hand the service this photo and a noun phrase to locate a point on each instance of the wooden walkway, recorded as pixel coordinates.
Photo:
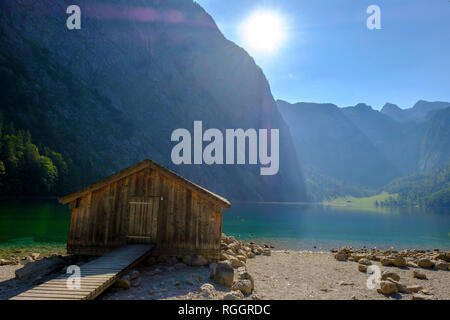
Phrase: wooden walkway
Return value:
(96, 276)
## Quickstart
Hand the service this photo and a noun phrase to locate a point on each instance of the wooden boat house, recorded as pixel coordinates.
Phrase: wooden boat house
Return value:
(145, 203)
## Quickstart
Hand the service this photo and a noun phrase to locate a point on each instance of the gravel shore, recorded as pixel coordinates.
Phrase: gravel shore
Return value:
(285, 274)
(311, 275)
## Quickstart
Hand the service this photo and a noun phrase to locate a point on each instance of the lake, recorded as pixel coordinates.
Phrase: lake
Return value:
(297, 227)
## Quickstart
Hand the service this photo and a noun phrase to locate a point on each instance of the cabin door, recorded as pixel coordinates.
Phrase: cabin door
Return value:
(143, 219)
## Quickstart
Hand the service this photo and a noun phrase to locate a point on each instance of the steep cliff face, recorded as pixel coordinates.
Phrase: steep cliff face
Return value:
(111, 94)
(435, 145)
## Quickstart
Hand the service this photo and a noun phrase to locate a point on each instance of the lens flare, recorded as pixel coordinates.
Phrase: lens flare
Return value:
(263, 32)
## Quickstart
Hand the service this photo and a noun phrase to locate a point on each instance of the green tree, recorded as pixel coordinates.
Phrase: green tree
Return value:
(26, 170)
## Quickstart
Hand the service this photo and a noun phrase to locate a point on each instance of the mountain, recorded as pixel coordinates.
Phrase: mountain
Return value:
(392, 138)
(419, 144)
(393, 111)
(378, 127)
(435, 145)
(355, 150)
(110, 94)
(328, 141)
(419, 112)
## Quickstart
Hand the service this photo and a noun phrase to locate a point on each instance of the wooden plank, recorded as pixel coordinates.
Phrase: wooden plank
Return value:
(82, 283)
(93, 280)
(88, 277)
(61, 288)
(172, 176)
(41, 298)
(60, 292)
(51, 295)
(87, 288)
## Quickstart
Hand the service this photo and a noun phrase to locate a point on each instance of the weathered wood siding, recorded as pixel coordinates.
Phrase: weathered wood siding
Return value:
(146, 207)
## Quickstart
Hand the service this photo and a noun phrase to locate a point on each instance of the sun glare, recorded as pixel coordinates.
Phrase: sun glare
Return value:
(263, 32)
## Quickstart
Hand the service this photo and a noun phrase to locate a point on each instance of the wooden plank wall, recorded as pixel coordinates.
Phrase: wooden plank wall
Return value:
(186, 222)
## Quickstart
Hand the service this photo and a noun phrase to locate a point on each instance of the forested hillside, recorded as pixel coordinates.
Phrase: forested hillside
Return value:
(110, 94)
(430, 189)
(43, 170)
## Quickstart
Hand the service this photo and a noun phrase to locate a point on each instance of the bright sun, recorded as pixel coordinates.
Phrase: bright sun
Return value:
(263, 32)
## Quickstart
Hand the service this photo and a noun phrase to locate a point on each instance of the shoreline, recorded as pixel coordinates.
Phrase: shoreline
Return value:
(9, 249)
(284, 274)
(17, 252)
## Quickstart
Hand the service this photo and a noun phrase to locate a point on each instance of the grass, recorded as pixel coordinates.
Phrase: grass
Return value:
(360, 203)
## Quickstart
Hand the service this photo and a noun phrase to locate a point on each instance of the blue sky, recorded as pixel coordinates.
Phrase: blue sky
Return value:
(329, 54)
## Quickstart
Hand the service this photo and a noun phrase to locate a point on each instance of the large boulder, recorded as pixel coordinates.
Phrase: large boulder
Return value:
(207, 291)
(357, 257)
(234, 246)
(414, 288)
(228, 240)
(247, 276)
(362, 267)
(35, 255)
(419, 296)
(39, 268)
(419, 275)
(245, 286)
(123, 283)
(136, 282)
(224, 256)
(365, 261)
(257, 250)
(233, 295)
(4, 262)
(242, 253)
(134, 274)
(443, 256)
(425, 263)
(387, 262)
(388, 287)
(223, 274)
(400, 262)
(27, 259)
(400, 287)
(341, 256)
(411, 264)
(198, 261)
(179, 266)
(387, 274)
(187, 260)
(236, 263)
(442, 265)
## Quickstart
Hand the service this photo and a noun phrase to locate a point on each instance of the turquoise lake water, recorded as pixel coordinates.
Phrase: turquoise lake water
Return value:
(284, 226)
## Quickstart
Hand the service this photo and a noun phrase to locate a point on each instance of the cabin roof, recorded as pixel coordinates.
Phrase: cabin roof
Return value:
(147, 163)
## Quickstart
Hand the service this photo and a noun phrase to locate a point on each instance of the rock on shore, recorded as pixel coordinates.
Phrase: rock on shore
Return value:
(390, 281)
